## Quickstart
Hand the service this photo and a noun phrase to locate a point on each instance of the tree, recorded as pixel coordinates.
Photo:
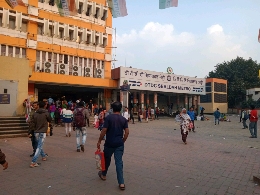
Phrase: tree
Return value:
(241, 75)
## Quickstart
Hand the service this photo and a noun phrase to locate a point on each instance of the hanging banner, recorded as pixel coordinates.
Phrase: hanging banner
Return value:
(163, 4)
(66, 7)
(14, 3)
(118, 8)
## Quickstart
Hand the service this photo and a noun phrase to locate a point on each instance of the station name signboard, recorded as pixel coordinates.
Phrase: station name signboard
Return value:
(162, 82)
(4, 98)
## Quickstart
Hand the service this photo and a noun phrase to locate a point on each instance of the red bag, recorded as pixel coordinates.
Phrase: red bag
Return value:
(191, 125)
(100, 160)
(97, 124)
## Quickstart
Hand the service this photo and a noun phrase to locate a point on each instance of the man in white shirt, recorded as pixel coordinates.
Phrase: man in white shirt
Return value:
(125, 114)
(152, 113)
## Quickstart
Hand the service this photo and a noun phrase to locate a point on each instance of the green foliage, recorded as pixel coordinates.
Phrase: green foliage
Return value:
(241, 74)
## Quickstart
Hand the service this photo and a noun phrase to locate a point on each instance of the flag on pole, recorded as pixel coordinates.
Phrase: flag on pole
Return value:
(118, 8)
(163, 4)
(259, 36)
(14, 3)
(66, 7)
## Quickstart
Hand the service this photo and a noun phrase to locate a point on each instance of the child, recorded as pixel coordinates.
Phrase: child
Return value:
(95, 120)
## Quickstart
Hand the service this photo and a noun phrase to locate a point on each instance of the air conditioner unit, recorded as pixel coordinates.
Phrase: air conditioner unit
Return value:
(37, 67)
(88, 72)
(99, 73)
(48, 67)
(76, 70)
(63, 69)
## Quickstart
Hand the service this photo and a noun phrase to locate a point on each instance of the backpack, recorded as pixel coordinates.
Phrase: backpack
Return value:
(246, 116)
(79, 118)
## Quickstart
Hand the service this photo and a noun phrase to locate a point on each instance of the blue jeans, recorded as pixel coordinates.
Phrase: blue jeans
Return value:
(118, 154)
(40, 138)
(216, 120)
(83, 131)
(253, 129)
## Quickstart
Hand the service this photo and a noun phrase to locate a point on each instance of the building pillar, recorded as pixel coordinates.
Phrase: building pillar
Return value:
(135, 102)
(142, 100)
(178, 101)
(186, 101)
(198, 104)
(121, 97)
(114, 96)
(147, 99)
(107, 98)
(155, 100)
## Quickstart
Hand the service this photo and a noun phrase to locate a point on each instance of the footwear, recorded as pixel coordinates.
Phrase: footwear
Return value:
(101, 176)
(32, 165)
(32, 155)
(66, 135)
(82, 148)
(122, 187)
(194, 131)
(78, 150)
(251, 137)
(185, 143)
(69, 134)
(44, 158)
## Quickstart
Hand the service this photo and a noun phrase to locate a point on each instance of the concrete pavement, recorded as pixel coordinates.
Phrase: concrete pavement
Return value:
(219, 159)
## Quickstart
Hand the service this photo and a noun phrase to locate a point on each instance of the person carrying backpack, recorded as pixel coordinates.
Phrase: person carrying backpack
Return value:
(244, 118)
(80, 116)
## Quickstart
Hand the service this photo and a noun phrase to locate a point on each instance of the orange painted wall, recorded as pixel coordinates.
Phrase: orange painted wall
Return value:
(208, 80)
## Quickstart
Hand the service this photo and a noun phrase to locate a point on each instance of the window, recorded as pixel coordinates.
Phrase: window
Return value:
(10, 51)
(70, 35)
(97, 13)
(23, 53)
(40, 29)
(220, 98)
(75, 61)
(51, 30)
(80, 8)
(104, 15)
(104, 42)
(3, 50)
(49, 56)
(60, 58)
(65, 59)
(17, 52)
(51, 2)
(102, 64)
(88, 38)
(1, 20)
(61, 33)
(220, 87)
(206, 98)
(208, 87)
(44, 56)
(89, 10)
(12, 22)
(24, 26)
(97, 40)
(38, 55)
(80, 61)
(79, 37)
(89, 62)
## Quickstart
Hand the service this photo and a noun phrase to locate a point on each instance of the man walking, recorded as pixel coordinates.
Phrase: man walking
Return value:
(244, 118)
(116, 131)
(39, 123)
(217, 116)
(191, 113)
(80, 116)
(132, 115)
(31, 131)
(253, 122)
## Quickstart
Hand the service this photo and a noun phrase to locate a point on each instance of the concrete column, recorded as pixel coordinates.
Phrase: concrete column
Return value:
(107, 98)
(121, 97)
(198, 104)
(155, 100)
(178, 101)
(147, 99)
(135, 101)
(186, 101)
(142, 99)
(114, 95)
(193, 101)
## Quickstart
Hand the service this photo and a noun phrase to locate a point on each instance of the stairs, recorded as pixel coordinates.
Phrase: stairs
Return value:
(13, 127)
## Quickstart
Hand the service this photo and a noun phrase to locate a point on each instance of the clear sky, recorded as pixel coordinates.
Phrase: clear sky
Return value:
(191, 38)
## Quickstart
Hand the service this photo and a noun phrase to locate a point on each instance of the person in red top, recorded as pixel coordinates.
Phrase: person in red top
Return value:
(253, 122)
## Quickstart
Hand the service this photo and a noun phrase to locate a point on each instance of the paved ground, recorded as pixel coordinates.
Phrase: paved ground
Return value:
(217, 160)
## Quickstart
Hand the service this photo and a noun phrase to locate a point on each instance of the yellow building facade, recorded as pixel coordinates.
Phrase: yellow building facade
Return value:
(72, 51)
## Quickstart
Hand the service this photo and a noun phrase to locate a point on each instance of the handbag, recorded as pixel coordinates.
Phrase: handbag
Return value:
(191, 125)
(100, 160)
